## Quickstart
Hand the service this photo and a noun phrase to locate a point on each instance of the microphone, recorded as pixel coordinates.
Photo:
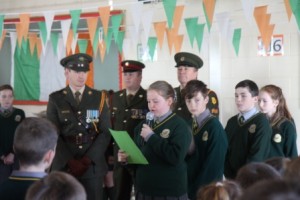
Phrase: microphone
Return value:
(149, 118)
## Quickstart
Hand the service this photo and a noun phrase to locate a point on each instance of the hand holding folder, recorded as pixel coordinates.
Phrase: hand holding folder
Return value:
(125, 143)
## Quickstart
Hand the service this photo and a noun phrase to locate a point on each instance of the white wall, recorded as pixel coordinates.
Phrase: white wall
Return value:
(222, 68)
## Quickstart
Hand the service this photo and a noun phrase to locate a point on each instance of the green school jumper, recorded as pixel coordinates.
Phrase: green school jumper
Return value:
(248, 142)
(283, 141)
(165, 150)
(206, 163)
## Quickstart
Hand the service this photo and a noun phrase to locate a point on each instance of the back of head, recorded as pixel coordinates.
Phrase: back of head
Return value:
(273, 190)
(250, 85)
(252, 173)
(292, 171)
(33, 138)
(193, 87)
(279, 163)
(224, 190)
(56, 186)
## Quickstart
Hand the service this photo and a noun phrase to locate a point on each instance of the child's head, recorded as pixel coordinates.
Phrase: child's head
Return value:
(246, 95)
(6, 96)
(35, 142)
(223, 190)
(160, 97)
(272, 102)
(196, 96)
(292, 170)
(252, 173)
(56, 186)
(279, 163)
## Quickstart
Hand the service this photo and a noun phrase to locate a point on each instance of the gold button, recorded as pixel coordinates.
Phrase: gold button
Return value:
(80, 134)
(79, 123)
(126, 110)
(66, 120)
(124, 121)
(79, 112)
(80, 147)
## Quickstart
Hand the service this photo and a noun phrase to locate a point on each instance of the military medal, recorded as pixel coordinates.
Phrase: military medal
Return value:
(92, 116)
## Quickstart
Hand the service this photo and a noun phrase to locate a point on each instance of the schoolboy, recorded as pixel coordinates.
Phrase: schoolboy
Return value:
(34, 145)
(248, 132)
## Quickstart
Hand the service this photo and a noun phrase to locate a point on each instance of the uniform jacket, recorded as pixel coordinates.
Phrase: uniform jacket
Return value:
(128, 116)
(62, 110)
(248, 142)
(182, 110)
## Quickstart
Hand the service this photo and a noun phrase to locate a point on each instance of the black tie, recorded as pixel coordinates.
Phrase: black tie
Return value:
(129, 99)
(77, 97)
(242, 119)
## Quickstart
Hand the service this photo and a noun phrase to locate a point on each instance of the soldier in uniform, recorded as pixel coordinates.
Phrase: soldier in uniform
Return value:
(82, 118)
(187, 65)
(129, 109)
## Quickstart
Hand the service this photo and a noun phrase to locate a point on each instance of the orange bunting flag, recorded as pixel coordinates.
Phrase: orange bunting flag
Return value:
(32, 37)
(102, 50)
(160, 28)
(92, 26)
(104, 13)
(24, 21)
(171, 34)
(2, 38)
(69, 42)
(178, 43)
(39, 46)
(209, 9)
(288, 9)
(19, 35)
(263, 22)
(177, 17)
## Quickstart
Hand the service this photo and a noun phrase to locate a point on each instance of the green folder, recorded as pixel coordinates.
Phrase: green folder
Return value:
(125, 143)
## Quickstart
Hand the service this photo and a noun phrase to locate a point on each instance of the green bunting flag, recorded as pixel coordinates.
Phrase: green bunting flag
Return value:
(75, 17)
(236, 40)
(1, 24)
(120, 40)
(169, 6)
(43, 31)
(82, 44)
(107, 39)
(295, 6)
(54, 41)
(96, 41)
(116, 23)
(152, 41)
(190, 24)
(199, 35)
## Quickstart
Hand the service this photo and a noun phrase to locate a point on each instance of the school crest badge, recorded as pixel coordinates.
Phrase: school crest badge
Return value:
(277, 138)
(252, 128)
(165, 133)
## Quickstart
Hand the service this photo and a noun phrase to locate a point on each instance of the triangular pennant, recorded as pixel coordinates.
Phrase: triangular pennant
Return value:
(32, 42)
(65, 28)
(199, 35)
(3, 35)
(295, 5)
(160, 28)
(104, 13)
(152, 41)
(1, 25)
(96, 41)
(177, 17)
(136, 13)
(69, 42)
(288, 9)
(209, 9)
(116, 23)
(102, 50)
(75, 17)
(39, 46)
(54, 42)
(178, 43)
(24, 21)
(169, 7)
(120, 40)
(19, 35)
(92, 26)
(190, 24)
(236, 40)
(74, 43)
(171, 34)
(49, 17)
(43, 31)
(82, 44)
(108, 39)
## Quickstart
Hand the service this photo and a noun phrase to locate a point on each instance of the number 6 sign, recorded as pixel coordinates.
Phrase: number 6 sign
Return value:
(275, 48)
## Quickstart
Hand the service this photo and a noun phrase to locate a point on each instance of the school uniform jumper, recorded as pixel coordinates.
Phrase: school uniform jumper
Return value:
(206, 163)
(165, 150)
(247, 142)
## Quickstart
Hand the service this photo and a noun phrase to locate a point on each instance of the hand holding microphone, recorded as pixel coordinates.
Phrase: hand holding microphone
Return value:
(146, 129)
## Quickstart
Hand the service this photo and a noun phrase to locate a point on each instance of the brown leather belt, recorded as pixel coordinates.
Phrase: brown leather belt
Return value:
(80, 138)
